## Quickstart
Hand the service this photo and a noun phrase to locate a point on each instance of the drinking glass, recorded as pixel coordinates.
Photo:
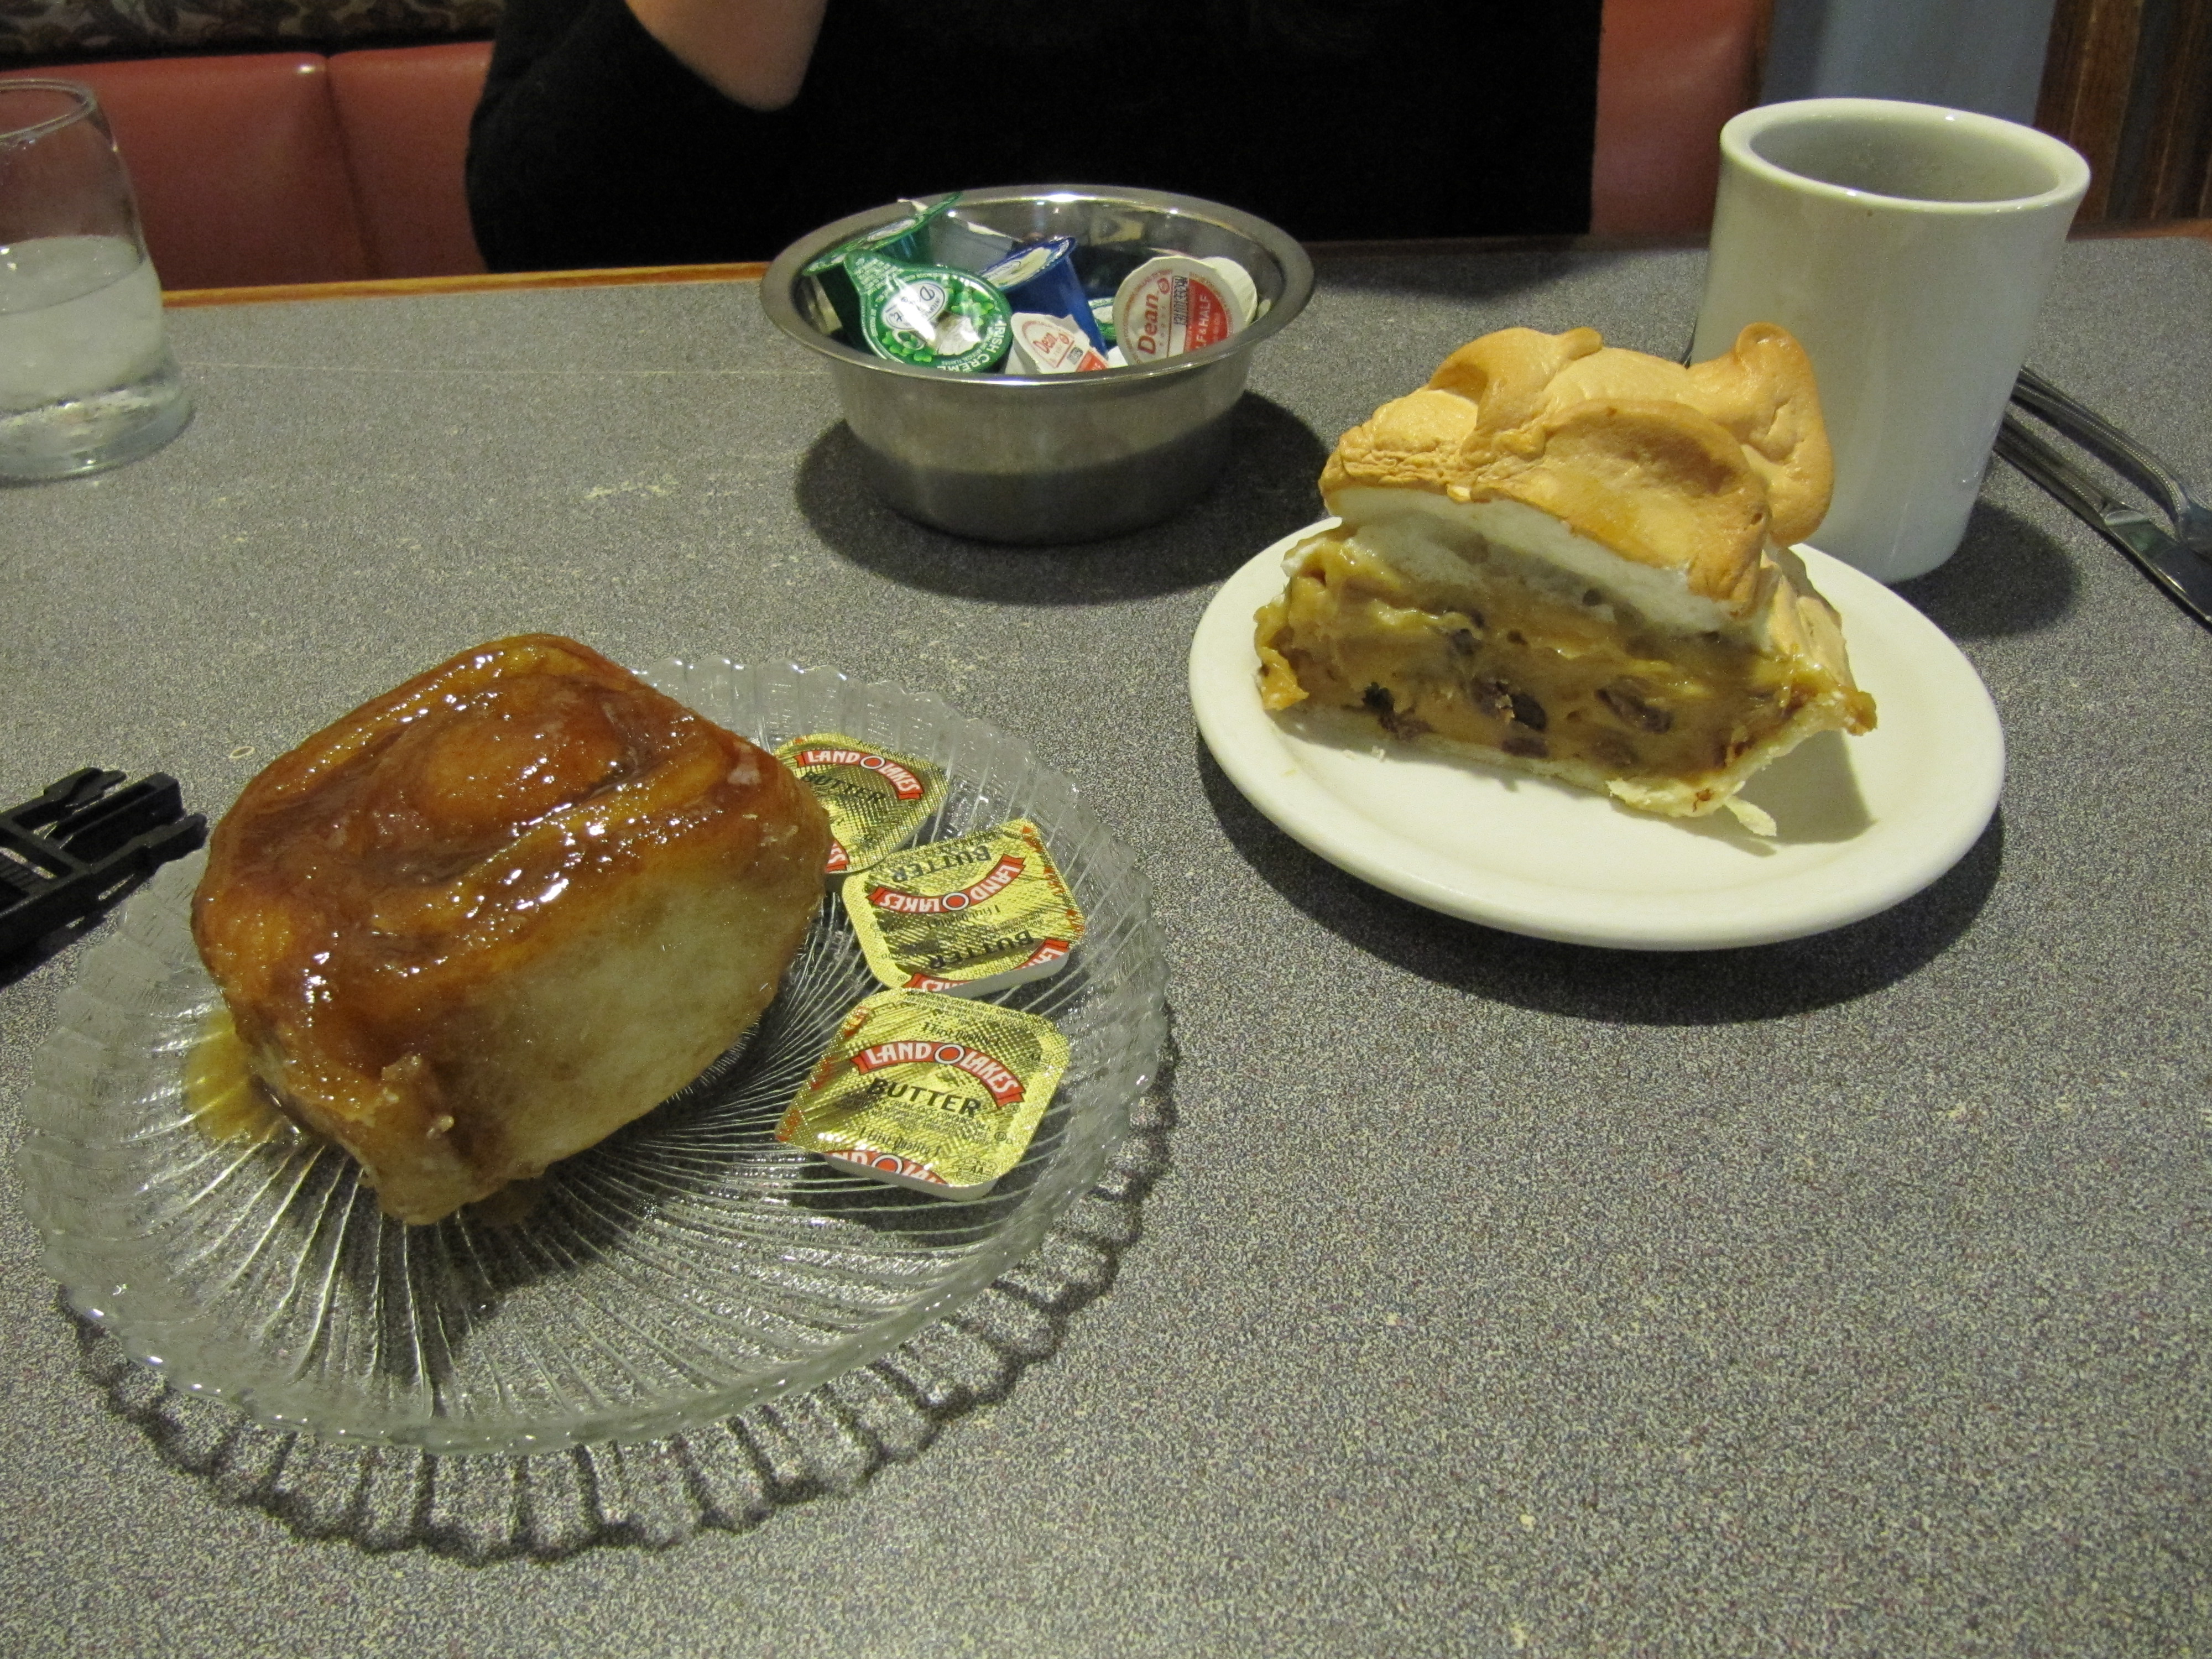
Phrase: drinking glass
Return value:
(86, 378)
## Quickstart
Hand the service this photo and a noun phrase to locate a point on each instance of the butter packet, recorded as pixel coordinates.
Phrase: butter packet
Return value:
(966, 916)
(929, 1092)
(876, 799)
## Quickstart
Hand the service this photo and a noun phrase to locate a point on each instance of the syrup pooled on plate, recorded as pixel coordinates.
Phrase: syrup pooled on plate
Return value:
(220, 1094)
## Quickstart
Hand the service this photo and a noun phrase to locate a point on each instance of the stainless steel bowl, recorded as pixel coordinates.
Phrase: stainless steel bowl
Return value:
(1064, 457)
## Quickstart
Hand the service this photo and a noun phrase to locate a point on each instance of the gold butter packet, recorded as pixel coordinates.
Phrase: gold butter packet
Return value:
(974, 914)
(876, 799)
(929, 1092)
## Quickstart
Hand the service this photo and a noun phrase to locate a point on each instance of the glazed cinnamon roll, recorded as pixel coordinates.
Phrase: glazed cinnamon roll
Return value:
(489, 917)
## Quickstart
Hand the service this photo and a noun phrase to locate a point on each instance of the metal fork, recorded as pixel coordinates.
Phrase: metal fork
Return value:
(2191, 519)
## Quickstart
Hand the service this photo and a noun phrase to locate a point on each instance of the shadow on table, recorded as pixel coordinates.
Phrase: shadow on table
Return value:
(2008, 576)
(1636, 987)
(1265, 492)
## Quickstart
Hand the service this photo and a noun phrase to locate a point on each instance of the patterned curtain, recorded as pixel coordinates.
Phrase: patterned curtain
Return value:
(61, 29)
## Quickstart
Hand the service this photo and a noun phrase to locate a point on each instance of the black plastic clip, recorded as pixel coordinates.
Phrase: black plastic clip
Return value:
(68, 855)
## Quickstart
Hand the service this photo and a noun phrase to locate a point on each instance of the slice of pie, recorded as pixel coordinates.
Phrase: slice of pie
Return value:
(1574, 559)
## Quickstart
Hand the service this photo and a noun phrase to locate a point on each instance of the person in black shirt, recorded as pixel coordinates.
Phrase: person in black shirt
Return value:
(621, 132)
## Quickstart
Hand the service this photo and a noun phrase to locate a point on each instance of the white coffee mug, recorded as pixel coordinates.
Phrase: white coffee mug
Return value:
(1908, 247)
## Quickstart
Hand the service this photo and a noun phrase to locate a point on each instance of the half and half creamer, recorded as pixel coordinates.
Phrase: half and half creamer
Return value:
(1178, 303)
(976, 914)
(876, 799)
(929, 1092)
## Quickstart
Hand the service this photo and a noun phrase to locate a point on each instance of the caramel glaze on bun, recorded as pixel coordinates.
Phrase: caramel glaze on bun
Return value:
(490, 916)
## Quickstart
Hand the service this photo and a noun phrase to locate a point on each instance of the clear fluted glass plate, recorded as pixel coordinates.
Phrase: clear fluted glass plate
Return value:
(678, 1272)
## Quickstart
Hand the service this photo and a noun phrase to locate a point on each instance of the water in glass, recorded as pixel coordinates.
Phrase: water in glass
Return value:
(86, 380)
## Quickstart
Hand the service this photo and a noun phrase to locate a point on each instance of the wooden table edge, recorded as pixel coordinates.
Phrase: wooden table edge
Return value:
(401, 288)
(751, 270)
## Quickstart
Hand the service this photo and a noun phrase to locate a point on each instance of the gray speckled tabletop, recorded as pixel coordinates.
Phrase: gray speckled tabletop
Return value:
(1849, 1296)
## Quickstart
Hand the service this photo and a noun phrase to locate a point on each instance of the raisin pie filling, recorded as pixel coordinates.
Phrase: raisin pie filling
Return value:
(1507, 666)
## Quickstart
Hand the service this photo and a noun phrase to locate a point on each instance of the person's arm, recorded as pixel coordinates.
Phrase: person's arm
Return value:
(594, 144)
(754, 51)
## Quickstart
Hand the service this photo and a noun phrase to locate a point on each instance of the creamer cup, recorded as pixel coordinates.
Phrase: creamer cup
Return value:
(932, 316)
(1175, 305)
(1040, 278)
(1051, 345)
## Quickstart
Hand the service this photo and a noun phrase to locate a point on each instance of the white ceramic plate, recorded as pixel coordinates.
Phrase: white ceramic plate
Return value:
(1863, 821)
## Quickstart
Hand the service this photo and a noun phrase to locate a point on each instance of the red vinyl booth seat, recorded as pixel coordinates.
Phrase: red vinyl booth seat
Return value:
(404, 112)
(1670, 73)
(289, 168)
(238, 164)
